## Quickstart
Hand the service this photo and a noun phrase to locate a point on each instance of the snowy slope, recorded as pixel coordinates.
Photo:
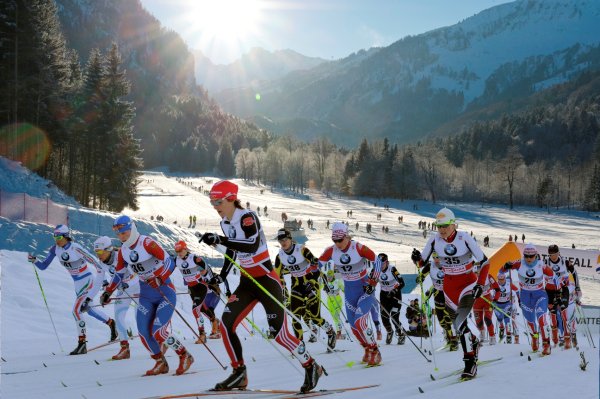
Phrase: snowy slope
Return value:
(34, 366)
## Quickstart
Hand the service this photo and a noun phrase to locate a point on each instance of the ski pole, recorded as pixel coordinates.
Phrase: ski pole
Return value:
(400, 327)
(343, 324)
(427, 321)
(47, 307)
(499, 309)
(190, 327)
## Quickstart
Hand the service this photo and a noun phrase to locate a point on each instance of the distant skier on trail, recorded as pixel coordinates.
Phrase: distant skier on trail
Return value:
(458, 252)
(390, 298)
(157, 301)
(503, 300)
(246, 242)
(129, 288)
(350, 259)
(87, 278)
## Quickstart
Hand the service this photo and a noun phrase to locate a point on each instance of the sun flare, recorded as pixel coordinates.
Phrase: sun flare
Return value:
(225, 20)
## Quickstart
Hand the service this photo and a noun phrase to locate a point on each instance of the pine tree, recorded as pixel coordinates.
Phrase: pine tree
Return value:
(225, 161)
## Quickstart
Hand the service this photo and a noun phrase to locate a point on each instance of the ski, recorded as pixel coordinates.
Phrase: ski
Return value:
(279, 393)
(459, 371)
(334, 351)
(106, 344)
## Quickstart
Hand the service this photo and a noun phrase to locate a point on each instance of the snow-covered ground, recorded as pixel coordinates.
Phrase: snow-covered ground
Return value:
(33, 364)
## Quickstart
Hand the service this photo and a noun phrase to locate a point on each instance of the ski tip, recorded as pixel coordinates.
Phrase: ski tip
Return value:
(63, 384)
(97, 362)
(44, 364)
(432, 377)
(350, 364)
(528, 358)
(421, 390)
(98, 382)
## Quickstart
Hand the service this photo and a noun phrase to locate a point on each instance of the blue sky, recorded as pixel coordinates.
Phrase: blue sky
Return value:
(225, 29)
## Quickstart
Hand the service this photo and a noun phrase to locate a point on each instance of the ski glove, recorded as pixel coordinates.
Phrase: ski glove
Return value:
(369, 288)
(154, 282)
(210, 239)
(415, 256)
(31, 258)
(477, 291)
(104, 283)
(105, 298)
(123, 286)
(215, 280)
(507, 266)
(419, 279)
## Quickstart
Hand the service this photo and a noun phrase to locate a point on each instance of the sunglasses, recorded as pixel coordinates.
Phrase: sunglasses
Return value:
(121, 228)
(216, 202)
(528, 256)
(338, 240)
(58, 237)
(100, 251)
(443, 226)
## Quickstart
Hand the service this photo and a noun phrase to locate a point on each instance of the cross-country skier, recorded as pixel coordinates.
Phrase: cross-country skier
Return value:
(503, 300)
(558, 294)
(129, 287)
(196, 275)
(390, 298)
(305, 300)
(457, 252)
(246, 242)
(442, 312)
(350, 259)
(333, 287)
(157, 301)
(482, 309)
(87, 278)
(533, 275)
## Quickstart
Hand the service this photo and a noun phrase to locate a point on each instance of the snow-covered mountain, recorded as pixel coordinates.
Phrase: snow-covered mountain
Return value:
(253, 67)
(420, 82)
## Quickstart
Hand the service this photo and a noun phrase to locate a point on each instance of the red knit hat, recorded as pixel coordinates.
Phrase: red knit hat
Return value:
(180, 246)
(224, 189)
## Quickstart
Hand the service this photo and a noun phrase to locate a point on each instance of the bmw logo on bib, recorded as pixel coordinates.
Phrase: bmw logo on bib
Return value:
(450, 250)
(345, 259)
(65, 256)
(291, 260)
(134, 256)
(530, 273)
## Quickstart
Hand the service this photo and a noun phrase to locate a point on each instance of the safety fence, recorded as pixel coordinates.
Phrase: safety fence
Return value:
(23, 207)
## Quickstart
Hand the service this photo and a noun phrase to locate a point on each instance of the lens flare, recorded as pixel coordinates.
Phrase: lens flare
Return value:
(25, 143)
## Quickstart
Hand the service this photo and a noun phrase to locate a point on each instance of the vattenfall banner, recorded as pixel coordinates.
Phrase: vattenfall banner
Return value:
(587, 262)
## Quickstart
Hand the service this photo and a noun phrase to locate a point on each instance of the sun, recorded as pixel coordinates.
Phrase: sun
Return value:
(225, 20)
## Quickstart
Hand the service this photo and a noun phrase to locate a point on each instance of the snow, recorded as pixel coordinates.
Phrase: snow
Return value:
(33, 364)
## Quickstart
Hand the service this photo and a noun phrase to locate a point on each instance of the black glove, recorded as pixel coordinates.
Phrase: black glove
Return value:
(31, 258)
(85, 305)
(123, 286)
(228, 294)
(210, 239)
(507, 266)
(215, 280)
(415, 256)
(419, 279)
(369, 288)
(104, 283)
(105, 298)
(477, 291)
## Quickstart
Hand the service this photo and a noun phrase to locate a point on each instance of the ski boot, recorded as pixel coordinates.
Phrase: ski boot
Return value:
(568, 342)
(546, 349)
(312, 373)
(401, 338)
(374, 357)
(470, 370)
(574, 339)
(508, 339)
(379, 335)
(215, 333)
(124, 352)
(313, 335)
(237, 380)
(501, 334)
(534, 343)
(113, 329)
(201, 336)
(365, 357)
(493, 340)
(161, 366)
(388, 337)
(185, 361)
(81, 348)
(331, 339)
